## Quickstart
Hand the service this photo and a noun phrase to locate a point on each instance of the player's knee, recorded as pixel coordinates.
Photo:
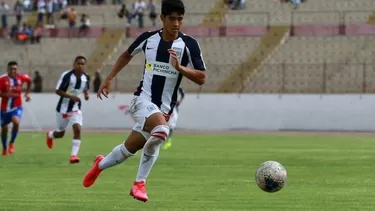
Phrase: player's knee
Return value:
(158, 135)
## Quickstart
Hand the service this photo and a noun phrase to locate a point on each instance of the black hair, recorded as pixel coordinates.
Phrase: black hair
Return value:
(79, 57)
(11, 63)
(170, 6)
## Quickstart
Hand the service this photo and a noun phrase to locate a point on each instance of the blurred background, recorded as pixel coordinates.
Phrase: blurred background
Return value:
(249, 46)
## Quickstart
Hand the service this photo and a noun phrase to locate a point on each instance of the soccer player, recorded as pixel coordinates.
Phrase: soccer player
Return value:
(11, 103)
(172, 123)
(70, 86)
(169, 55)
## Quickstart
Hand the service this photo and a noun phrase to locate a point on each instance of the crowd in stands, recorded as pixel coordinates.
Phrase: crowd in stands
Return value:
(139, 10)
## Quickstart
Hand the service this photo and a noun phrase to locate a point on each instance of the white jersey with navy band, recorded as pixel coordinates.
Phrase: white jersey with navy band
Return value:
(161, 81)
(72, 85)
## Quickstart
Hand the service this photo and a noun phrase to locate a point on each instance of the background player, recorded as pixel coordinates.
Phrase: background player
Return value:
(168, 53)
(70, 86)
(11, 103)
(172, 123)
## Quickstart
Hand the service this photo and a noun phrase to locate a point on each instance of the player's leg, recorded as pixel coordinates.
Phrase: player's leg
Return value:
(76, 120)
(16, 119)
(62, 123)
(5, 120)
(156, 125)
(172, 125)
(119, 154)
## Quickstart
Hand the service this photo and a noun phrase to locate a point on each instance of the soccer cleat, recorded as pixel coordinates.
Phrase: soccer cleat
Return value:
(167, 144)
(74, 159)
(138, 191)
(93, 173)
(49, 141)
(5, 152)
(11, 148)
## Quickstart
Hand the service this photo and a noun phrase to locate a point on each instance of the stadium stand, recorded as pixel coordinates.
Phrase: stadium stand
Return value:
(280, 59)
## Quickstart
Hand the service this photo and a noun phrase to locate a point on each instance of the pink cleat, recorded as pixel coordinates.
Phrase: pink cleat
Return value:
(93, 173)
(138, 191)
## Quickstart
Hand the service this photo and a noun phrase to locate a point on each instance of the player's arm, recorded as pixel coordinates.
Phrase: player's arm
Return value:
(62, 87)
(124, 59)
(28, 81)
(197, 72)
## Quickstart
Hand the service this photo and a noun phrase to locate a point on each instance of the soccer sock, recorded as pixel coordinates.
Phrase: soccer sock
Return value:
(50, 134)
(75, 146)
(13, 136)
(4, 141)
(150, 151)
(118, 155)
(170, 133)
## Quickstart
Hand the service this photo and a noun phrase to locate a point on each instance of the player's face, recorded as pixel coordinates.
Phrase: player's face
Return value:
(79, 65)
(12, 70)
(172, 23)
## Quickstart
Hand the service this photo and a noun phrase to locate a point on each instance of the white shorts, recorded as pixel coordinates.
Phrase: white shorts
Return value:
(140, 109)
(173, 120)
(64, 119)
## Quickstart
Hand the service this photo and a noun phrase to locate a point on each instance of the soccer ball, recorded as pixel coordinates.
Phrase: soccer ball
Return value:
(270, 176)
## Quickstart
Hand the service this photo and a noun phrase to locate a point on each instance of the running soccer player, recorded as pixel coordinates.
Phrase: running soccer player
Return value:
(169, 55)
(70, 86)
(11, 103)
(172, 123)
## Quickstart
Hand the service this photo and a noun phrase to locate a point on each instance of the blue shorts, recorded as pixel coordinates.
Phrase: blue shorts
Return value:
(6, 117)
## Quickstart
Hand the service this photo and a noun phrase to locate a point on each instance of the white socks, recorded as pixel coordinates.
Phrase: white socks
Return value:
(151, 151)
(118, 155)
(75, 146)
(50, 134)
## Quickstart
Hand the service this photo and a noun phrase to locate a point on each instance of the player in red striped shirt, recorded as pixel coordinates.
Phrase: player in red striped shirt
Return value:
(11, 103)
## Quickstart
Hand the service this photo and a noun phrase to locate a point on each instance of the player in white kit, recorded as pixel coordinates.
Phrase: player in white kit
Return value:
(70, 86)
(169, 55)
(172, 123)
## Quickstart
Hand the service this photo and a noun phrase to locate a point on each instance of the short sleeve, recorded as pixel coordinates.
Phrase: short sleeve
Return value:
(25, 78)
(138, 44)
(63, 82)
(195, 54)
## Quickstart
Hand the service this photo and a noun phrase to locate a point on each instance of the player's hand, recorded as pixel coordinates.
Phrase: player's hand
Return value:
(174, 59)
(86, 97)
(75, 98)
(104, 89)
(27, 97)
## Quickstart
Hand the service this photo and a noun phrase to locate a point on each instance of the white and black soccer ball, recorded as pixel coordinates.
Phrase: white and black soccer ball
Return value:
(270, 176)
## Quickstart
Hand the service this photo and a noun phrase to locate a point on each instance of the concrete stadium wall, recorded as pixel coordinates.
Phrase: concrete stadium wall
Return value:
(225, 111)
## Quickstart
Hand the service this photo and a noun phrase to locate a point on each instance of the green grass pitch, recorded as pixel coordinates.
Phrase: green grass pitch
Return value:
(199, 172)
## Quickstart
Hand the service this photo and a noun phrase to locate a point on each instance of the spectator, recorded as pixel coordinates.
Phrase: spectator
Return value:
(19, 10)
(37, 82)
(139, 11)
(85, 24)
(124, 12)
(37, 33)
(97, 81)
(49, 10)
(4, 8)
(41, 10)
(72, 18)
(151, 7)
